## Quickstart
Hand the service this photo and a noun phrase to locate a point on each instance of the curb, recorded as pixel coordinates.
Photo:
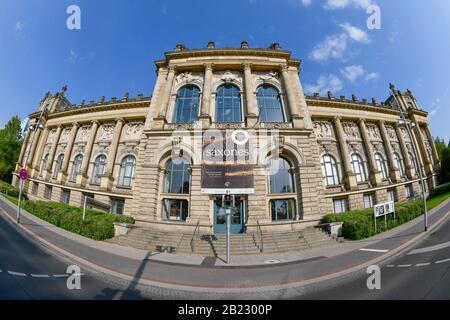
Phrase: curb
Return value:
(234, 289)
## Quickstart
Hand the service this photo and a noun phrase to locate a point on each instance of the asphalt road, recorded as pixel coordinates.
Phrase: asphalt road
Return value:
(422, 272)
(29, 272)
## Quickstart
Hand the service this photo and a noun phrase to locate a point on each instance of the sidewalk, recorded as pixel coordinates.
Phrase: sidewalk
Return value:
(249, 272)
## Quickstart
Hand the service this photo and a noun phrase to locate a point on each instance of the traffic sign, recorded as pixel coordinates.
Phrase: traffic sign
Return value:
(23, 174)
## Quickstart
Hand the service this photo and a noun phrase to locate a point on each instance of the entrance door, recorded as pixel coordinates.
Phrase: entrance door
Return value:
(237, 217)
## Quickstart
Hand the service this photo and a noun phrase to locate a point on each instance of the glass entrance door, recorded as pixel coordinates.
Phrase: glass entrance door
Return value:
(237, 217)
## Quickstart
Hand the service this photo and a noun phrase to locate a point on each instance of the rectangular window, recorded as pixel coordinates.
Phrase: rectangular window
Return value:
(340, 205)
(65, 196)
(409, 191)
(283, 209)
(369, 200)
(117, 206)
(48, 192)
(391, 195)
(176, 210)
(34, 189)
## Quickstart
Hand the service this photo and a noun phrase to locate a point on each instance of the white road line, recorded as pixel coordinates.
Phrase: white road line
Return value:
(40, 275)
(19, 274)
(442, 261)
(404, 265)
(390, 266)
(60, 275)
(373, 250)
(432, 248)
(423, 264)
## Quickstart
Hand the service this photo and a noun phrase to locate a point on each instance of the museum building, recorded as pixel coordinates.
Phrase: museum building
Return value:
(136, 154)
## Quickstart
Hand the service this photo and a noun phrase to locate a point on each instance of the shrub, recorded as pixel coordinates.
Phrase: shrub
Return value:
(360, 224)
(97, 225)
(8, 189)
(441, 189)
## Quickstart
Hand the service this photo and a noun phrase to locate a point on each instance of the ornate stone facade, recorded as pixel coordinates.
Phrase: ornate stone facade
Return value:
(120, 151)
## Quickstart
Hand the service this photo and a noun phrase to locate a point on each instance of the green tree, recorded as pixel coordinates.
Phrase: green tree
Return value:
(10, 144)
(445, 165)
(440, 146)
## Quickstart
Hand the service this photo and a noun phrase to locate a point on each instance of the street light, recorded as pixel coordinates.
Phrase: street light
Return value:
(33, 128)
(404, 122)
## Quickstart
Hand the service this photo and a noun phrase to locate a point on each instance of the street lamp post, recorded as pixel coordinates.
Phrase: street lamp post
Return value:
(408, 125)
(34, 128)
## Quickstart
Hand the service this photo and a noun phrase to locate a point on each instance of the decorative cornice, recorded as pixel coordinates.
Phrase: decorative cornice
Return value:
(349, 105)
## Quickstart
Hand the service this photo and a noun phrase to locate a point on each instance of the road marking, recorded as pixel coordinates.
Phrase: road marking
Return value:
(40, 275)
(390, 266)
(60, 275)
(19, 274)
(423, 264)
(442, 261)
(432, 248)
(373, 250)
(404, 265)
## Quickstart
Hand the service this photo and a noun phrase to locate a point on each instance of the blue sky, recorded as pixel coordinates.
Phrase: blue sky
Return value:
(115, 49)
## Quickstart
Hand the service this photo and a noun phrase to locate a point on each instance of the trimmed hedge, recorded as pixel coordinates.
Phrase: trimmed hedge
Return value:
(8, 189)
(360, 224)
(441, 189)
(97, 225)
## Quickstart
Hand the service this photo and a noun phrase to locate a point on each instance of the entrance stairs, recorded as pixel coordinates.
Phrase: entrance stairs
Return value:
(215, 245)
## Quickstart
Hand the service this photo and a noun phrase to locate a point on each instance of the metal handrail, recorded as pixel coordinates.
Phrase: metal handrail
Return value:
(259, 232)
(197, 229)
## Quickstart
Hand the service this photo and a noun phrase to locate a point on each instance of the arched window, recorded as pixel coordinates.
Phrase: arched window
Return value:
(228, 104)
(58, 165)
(413, 161)
(329, 170)
(99, 169)
(281, 184)
(176, 181)
(177, 177)
(76, 167)
(186, 105)
(269, 104)
(281, 179)
(399, 164)
(381, 165)
(127, 168)
(44, 164)
(358, 168)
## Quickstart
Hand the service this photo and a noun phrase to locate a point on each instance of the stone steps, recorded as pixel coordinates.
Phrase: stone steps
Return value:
(214, 245)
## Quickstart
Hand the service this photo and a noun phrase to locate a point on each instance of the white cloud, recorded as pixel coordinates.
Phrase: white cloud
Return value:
(355, 33)
(19, 26)
(324, 84)
(435, 106)
(355, 72)
(73, 57)
(341, 4)
(393, 36)
(336, 46)
(306, 3)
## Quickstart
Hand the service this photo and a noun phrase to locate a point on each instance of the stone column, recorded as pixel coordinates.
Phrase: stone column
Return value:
(62, 176)
(394, 172)
(433, 145)
(82, 175)
(107, 179)
(206, 97)
(408, 165)
(349, 175)
(51, 155)
(36, 135)
(423, 150)
(252, 109)
(38, 159)
(375, 175)
(22, 150)
(294, 107)
(162, 115)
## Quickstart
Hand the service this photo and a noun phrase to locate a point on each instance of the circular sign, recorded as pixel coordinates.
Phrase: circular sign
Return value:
(23, 174)
(243, 137)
